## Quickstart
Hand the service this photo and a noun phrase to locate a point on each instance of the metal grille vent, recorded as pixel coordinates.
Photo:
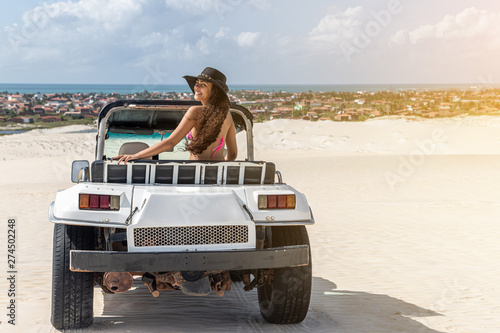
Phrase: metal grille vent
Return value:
(198, 235)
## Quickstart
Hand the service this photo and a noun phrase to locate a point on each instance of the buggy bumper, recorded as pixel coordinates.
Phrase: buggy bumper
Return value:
(108, 261)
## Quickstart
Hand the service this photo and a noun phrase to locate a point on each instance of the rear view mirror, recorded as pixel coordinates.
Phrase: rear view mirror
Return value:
(80, 171)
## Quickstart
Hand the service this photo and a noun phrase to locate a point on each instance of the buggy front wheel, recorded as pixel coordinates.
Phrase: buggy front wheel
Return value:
(72, 292)
(284, 299)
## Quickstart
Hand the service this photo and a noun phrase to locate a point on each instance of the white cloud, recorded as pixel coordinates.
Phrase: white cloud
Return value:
(222, 32)
(91, 36)
(154, 39)
(456, 48)
(336, 27)
(469, 24)
(261, 5)
(399, 37)
(109, 14)
(130, 40)
(203, 44)
(220, 6)
(73, 22)
(188, 51)
(193, 5)
(86, 38)
(421, 33)
(247, 39)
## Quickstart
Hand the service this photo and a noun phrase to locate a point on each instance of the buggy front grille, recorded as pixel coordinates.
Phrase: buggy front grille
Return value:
(196, 235)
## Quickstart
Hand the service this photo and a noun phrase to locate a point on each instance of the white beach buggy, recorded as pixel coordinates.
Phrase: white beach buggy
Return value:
(176, 224)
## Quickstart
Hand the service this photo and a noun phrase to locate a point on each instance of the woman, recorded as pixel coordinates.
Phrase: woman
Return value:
(207, 127)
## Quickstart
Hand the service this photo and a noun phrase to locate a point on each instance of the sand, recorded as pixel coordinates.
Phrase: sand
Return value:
(406, 234)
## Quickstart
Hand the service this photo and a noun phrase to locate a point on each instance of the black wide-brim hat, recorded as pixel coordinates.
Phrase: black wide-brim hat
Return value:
(211, 75)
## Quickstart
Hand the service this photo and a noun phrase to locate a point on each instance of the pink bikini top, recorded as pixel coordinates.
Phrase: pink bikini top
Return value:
(189, 136)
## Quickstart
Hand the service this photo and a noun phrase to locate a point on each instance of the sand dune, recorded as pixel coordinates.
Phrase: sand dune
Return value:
(383, 136)
(406, 234)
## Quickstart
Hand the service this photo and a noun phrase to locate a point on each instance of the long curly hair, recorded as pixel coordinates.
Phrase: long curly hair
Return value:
(209, 122)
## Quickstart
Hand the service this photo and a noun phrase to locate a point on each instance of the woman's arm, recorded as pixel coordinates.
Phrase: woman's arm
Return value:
(186, 124)
(232, 147)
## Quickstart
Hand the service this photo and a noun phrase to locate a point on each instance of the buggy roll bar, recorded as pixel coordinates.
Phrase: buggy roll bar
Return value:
(108, 109)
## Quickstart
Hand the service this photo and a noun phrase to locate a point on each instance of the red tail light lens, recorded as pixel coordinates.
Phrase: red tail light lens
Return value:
(99, 202)
(282, 201)
(94, 201)
(271, 201)
(104, 202)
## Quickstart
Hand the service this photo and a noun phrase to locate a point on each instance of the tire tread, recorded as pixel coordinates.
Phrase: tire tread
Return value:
(72, 292)
(291, 289)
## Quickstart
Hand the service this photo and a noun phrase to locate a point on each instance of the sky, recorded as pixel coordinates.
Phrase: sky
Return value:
(252, 41)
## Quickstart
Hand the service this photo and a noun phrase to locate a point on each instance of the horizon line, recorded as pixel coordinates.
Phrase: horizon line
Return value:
(256, 84)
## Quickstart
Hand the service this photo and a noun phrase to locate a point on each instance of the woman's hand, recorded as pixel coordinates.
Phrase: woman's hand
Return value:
(125, 158)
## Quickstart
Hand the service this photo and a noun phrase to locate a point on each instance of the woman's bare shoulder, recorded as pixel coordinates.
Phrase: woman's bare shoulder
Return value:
(229, 119)
(194, 112)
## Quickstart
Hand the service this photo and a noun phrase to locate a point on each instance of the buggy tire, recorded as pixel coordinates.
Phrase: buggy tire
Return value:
(285, 300)
(72, 292)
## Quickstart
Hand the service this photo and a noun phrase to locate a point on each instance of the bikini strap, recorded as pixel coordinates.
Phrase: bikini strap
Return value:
(219, 147)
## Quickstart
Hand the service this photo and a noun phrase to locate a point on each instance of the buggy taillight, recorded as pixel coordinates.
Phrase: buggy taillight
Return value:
(99, 202)
(281, 201)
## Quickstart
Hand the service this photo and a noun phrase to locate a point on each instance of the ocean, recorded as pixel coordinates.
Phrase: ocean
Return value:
(33, 88)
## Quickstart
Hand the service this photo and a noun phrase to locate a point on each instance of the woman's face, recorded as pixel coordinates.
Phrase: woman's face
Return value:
(202, 91)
